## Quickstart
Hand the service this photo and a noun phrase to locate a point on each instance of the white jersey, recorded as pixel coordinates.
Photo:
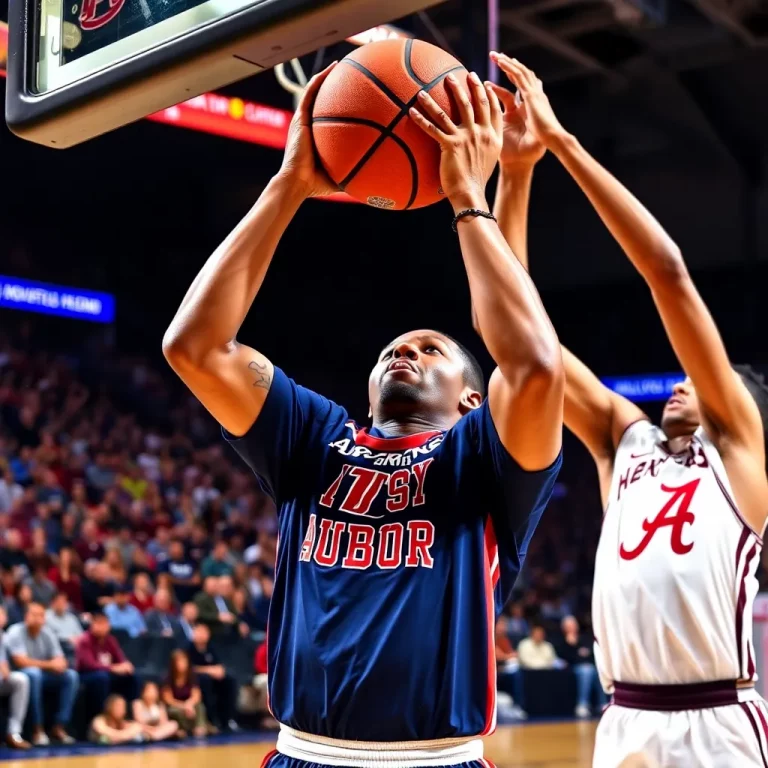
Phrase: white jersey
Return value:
(675, 568)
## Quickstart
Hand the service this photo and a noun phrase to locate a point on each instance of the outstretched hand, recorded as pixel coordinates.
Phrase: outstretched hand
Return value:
(299, 163)
(469, 150)
(542, 128)
(521, 147)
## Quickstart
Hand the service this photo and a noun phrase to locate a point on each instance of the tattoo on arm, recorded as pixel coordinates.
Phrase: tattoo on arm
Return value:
(262, 378)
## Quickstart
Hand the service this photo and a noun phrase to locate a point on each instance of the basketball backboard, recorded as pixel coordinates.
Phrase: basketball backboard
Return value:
(80, 68)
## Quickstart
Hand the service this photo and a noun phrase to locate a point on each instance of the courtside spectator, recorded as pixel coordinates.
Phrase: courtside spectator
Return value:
(122, 615)
(15, 687)
(182, 695)
(575, 650)
(102, 665)
(35, 651)
(213, 609)
(249, 620)
(219, 562)
(111, 727)
(219, 689)
(66, 577)
(535, 652)
(152, 715)
(62, 622)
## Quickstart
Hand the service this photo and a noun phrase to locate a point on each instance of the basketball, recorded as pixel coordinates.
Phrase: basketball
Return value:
(365, 140)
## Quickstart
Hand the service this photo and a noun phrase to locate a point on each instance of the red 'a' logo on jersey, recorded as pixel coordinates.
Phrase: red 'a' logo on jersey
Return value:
(683, 495)
(89, 13)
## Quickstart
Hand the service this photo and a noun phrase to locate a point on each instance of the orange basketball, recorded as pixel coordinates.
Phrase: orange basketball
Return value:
(366, 141)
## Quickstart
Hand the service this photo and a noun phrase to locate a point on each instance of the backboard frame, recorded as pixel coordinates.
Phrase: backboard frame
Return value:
(246, 42)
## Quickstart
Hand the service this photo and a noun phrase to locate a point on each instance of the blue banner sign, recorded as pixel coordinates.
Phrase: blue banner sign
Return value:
(60, 300)
(645, 387)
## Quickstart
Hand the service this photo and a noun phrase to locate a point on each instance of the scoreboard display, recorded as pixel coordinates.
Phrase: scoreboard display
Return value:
(80, 68)
(79, 38)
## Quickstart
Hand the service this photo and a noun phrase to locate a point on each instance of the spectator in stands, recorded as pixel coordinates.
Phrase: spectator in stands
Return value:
(38, 555)
(189, 617)
(63, 623)
(182, 695)
(213, 609)
(151, 713)
(43, 590)
(9, 611)
(219, 688)
(125, 543)
(124, 616)
(517, 625)
(24, 597)
(100, 476)
(182, 571)
(102, 665)
(10, 490)
(116, 569)
(14, 686)
(97, 590)
(89, 546)
(142, 596)
(199, 545)
(535, 652)
(12, 556)
(507, 665)
(227, 592)
(158, 548)
(219, 562)
(35, 650)
(248, 619)
(65, 577)
(575, 650)
(111, 727)
(161, 621)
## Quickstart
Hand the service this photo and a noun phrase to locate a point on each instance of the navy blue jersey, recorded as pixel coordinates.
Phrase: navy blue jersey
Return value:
(395, 556)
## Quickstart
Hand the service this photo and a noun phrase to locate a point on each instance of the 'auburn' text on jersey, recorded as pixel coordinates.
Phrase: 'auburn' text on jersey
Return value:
(394, 557)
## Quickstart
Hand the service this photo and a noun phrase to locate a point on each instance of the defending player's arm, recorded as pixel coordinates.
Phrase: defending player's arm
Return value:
(230, 379)
(597, 416)
(728, 407)
(526, 390)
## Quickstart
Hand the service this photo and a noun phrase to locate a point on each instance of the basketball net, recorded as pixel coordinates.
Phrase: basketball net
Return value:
(295, 87)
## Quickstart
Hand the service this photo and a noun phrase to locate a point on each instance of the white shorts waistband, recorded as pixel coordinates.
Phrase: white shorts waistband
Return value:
(370, 754)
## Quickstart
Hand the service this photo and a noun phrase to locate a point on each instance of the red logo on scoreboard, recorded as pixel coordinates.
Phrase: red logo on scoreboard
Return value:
(89, 18)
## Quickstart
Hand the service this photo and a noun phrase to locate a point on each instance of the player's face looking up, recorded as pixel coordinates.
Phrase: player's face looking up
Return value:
(421, 373)
(681, 413)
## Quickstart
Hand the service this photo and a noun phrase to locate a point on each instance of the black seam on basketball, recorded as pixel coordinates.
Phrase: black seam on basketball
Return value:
(388, 131)
(385, 134)
(382, 86)
(408, 65)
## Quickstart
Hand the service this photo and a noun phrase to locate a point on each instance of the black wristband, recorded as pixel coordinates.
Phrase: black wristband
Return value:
(470, 212)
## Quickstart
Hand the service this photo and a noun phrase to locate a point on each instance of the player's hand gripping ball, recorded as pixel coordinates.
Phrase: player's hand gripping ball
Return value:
(364, 138)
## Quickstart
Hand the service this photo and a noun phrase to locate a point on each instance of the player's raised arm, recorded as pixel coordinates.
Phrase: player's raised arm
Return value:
(597, 416)
(726, 403)
(230, 379)
(526, 390)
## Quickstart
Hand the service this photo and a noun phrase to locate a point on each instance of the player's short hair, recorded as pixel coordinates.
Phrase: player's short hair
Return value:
(756, 386)
(473, 373)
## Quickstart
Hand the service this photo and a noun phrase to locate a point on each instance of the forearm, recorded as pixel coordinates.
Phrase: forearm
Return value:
(513, 194)
(219, 298)
(650, 249)
(511, 319)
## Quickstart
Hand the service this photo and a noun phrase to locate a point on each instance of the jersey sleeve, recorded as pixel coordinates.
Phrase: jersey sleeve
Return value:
(517, 500)
(292, 423)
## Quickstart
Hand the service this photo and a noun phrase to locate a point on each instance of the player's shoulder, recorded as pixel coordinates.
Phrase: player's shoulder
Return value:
(641, 435)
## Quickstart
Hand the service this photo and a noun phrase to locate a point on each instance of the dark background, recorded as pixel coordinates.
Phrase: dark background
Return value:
(672, 100)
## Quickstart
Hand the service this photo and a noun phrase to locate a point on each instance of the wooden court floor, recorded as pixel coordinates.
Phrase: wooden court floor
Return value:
(544, 745)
